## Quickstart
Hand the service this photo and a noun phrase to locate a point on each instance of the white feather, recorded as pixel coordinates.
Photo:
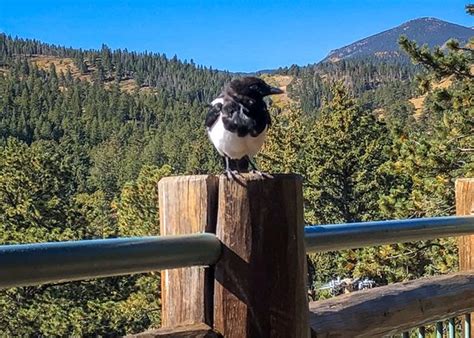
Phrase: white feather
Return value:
(230, 144)
(218, 100)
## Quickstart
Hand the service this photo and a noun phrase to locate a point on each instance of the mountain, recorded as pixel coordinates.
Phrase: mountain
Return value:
(430, 31)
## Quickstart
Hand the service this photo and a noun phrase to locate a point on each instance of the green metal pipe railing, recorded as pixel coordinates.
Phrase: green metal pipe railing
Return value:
(322, 238)
(33, 264)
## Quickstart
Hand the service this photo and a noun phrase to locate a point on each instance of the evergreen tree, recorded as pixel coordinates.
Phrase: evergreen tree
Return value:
(431, 159)
(137, 207)
(346, 151)
(39, 202)
(287, 136)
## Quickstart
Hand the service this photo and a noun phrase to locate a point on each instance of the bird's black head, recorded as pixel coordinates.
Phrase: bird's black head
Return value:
(253, 87)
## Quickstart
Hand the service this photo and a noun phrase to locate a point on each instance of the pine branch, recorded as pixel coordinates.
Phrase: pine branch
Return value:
(438, 62)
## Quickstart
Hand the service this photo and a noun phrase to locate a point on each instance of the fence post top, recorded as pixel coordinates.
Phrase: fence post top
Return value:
(465, 179)
(244, 176)
(187, 178)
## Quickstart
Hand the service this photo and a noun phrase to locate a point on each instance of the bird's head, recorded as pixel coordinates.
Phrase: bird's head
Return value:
(253, 87)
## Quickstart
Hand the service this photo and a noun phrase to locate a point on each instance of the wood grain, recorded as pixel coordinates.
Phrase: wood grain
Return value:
(188, 204)
(191, 331)
(260, 286)
(465, 206)
(393, 308)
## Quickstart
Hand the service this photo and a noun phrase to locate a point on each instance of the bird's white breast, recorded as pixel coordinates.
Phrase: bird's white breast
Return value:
(218, 100)
(230, 144)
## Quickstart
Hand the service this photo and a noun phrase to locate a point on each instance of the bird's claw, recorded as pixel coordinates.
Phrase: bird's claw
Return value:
(261, 174)
(232, 174)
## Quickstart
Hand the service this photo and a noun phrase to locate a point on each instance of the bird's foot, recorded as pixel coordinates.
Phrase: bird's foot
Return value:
(261, 174)
(232, 174)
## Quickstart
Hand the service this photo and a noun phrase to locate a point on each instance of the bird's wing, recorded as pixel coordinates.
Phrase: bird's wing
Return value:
(213, 114)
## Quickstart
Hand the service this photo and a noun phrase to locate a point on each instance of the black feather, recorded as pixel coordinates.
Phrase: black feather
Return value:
(212, 115)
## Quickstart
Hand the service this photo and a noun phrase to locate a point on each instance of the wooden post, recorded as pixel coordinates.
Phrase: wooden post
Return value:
(260, 286)
(188, 204)
(465, 206)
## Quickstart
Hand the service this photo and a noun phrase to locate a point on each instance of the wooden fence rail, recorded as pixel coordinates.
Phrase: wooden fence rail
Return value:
(394, 308)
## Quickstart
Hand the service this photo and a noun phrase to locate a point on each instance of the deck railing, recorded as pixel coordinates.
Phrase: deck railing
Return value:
(245, 230)
(33, 264)
(334, 237)
(54, 262)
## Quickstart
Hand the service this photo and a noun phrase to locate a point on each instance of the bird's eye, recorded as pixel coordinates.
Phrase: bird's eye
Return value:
(253, 87)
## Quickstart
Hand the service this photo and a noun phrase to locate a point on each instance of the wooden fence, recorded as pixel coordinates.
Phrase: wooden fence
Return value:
(257, 288)
(233, 262)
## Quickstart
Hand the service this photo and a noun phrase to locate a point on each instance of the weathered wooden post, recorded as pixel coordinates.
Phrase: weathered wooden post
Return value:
(257, 288)
(188, 204)
(260, 278)
(465, 206)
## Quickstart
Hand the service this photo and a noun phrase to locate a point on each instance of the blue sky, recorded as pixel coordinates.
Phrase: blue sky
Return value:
(231, 35)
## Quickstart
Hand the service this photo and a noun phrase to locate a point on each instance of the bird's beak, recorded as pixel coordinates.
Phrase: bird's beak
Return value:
(276, 90)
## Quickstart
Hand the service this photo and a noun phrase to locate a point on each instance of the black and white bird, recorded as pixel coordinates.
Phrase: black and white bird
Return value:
(238, 122)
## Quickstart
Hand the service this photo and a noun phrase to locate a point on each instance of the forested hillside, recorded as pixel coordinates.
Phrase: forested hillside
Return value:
(85, 136)
(170, 76)
(376, 83)
(80, 158)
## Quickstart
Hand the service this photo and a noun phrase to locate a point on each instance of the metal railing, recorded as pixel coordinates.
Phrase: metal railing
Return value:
(334, 237)
(33, 264)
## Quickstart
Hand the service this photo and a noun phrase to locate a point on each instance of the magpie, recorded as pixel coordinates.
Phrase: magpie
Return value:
(238, 121)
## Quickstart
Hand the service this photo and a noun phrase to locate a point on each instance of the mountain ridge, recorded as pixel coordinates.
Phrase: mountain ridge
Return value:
(425, 30)
(382, 45)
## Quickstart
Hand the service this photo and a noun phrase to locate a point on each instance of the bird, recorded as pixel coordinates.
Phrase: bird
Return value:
(237, 122)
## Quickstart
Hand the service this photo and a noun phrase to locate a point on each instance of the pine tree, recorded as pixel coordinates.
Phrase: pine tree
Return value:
(426, 160)
(137, 206)
(429, 161)
(456, 62)
(283, 148)
(39, 202)
(347, 147)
